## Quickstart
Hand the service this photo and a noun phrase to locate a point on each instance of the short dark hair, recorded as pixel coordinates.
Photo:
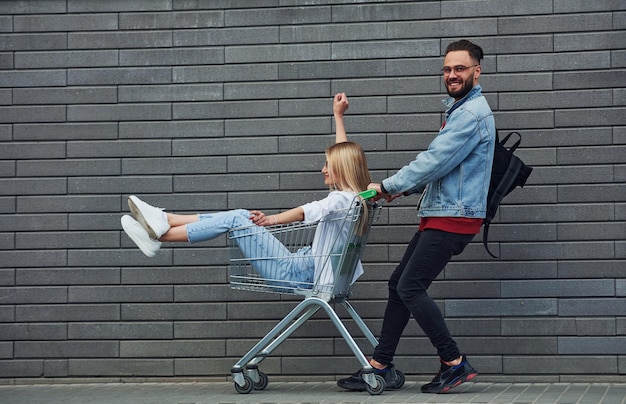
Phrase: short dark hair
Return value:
(475, 51)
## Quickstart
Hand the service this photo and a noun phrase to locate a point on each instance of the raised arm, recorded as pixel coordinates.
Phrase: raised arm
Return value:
(340, 105)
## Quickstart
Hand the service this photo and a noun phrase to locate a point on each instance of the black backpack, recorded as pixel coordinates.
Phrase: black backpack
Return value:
(507, 173)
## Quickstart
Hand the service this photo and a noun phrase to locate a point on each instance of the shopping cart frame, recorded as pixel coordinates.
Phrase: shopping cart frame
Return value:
(245, 373)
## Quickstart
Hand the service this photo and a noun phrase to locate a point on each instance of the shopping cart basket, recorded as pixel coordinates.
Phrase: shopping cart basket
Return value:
(329, 251)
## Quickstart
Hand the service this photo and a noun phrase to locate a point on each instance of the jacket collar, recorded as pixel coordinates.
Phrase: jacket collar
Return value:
(451, 104)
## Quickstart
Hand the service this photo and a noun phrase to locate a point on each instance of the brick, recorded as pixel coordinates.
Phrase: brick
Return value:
(97, 185)
(52, 240)
(578, 79)
(59, 168)
(587, 364)
(158, 349)
(592, 345)
(539, 326)
(121, 331)
(6, 61)
(579, 117)
(587, 41)
(595, 326)
(176, 311)
(55, 368)
(277, 53)
(119, 76)
(21, 368)
(59, 22)
(554, 23)
(56, 204)
(249, 72)
(555, 99)
(322, 32)
(385, 49)
(97, 367)
(171, 57)
(41, 222)
(67, 312)
(197, 92)
(73, 95)
(590, 268)
(592, 307)
(32, 114)
(492, 7)
(51, 41)
(31, 332)
(67, 276)
(225, 110)
(124, 148)
(260, 182)
(119, 112)
(225, 36)
(64, 59)
(276, 90)
(582, 6)
(7, 276)
(185, 20)
(497, 307)
(100, 221)
(558, 288)
(592, 231)
(126, 294)
(121, 40)
(385, 12)
(171, 276)
(557, 62)
(278, 16)
(21, 259)
(171, 129)
(64, 131)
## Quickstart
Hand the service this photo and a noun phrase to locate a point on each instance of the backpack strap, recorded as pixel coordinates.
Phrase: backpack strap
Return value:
(508, 180)
(506, 138)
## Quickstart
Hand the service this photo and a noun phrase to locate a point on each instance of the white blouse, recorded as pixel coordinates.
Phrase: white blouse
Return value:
(327, 232)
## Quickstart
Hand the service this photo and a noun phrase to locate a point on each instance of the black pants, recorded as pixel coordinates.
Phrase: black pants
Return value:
(426, 256)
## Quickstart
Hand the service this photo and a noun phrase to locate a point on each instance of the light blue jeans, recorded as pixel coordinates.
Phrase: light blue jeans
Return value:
(278, 262)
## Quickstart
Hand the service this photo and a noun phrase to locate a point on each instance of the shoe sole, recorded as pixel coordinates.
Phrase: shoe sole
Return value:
(136, 213)
(146, 250)
(458, 382)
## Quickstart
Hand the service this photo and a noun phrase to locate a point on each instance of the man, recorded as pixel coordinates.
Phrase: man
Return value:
(453, 175)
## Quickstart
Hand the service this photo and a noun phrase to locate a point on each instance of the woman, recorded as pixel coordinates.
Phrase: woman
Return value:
(345, 173)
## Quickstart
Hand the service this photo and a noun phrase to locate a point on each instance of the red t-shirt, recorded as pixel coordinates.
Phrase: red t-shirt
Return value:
(459, 225)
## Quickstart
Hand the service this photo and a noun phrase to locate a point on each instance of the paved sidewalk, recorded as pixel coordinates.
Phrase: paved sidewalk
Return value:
(309, 393)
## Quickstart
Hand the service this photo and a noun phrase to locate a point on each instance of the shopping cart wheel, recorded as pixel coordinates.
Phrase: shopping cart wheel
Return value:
(246, 388)
(380, 386)
(262, 383)
(399, 381)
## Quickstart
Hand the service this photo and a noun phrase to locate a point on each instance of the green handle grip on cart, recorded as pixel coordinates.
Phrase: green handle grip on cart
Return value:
(370, 193)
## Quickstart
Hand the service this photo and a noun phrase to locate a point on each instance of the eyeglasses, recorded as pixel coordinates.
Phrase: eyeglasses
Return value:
(457, 69)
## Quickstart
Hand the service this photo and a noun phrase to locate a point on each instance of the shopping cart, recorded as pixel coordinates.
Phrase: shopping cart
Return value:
(330, 249)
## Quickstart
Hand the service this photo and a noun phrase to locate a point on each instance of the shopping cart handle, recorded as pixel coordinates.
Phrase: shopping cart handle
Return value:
(367, 194)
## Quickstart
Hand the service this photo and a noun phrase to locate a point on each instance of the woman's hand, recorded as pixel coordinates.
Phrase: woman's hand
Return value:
(260, 219)
(340, 104)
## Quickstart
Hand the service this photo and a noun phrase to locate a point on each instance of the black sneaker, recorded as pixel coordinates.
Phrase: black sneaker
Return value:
(450, 376)
(356, 382)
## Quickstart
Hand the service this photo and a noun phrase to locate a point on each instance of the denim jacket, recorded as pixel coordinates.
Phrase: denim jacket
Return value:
(454, 172)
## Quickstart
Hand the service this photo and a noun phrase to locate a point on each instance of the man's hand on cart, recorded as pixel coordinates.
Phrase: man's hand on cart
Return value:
(380, 194)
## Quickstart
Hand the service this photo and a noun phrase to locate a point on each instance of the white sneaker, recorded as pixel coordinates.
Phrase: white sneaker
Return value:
(140, 236)
(151, 218)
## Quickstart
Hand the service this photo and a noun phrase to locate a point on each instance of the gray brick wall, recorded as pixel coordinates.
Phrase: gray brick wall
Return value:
(217, 104)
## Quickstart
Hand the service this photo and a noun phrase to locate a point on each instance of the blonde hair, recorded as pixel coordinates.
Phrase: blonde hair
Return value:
(347, 167)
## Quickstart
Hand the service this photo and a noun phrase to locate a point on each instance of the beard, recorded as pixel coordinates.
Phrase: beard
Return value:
(462, 91)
